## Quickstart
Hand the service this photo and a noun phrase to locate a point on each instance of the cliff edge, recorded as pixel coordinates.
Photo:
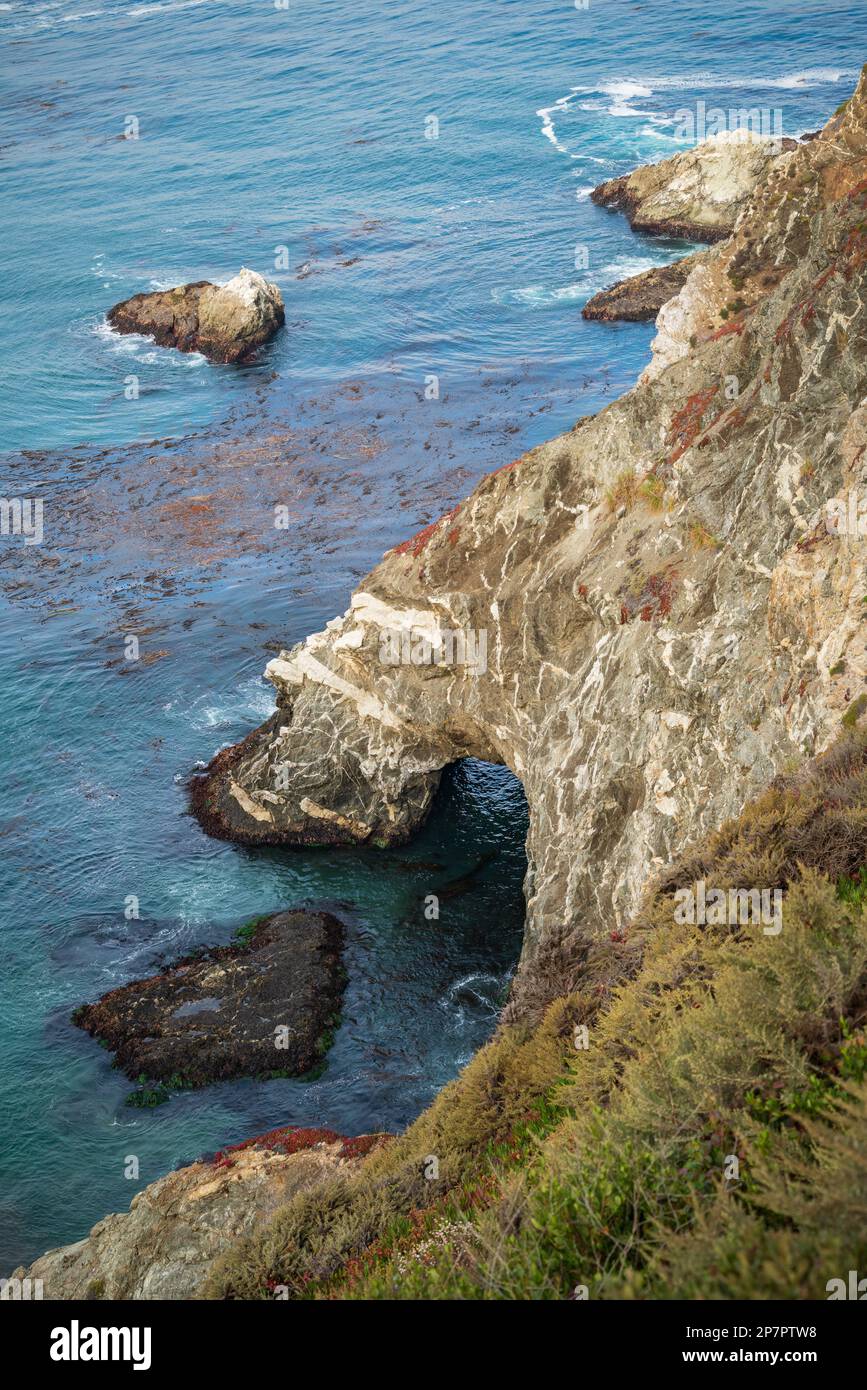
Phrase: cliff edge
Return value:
(645, 619)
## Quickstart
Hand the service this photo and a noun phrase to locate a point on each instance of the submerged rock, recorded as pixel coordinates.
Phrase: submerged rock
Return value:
(225, 322)
(176, 1227)
(698, 193)
(641, 297)
(667, 618)
(265, 1005)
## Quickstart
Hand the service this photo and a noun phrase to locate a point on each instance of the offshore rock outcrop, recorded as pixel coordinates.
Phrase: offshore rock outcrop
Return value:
(264, 1005)
(667, 617)
(697, 194)
(164, 1245)
(640, 297)
(225, 322)
(774, 230)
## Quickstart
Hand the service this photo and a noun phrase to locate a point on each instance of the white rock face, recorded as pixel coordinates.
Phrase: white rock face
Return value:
(690, 311)
(698, 193)
(718, 175)
(236, 317)
(253, 290)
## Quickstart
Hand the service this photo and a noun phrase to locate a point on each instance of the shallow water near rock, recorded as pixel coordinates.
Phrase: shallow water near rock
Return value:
(104, 817)
(406, 257)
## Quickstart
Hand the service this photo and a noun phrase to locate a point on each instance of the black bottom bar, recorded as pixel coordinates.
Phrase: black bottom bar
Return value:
(224, 1339)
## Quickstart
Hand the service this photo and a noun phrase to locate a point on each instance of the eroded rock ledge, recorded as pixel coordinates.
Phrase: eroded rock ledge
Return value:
(697, 194)
(225, 322)
(667, 618)
(640, 297)
(165, 1244)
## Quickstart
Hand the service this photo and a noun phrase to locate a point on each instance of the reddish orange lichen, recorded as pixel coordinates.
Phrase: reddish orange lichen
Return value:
(736, 325)
(654, 601)
(292, 1139)
(686, 423)
(416, 544)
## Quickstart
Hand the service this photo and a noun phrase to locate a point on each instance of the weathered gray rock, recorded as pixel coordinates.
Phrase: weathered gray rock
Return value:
(640, 297)
(225, 322)
(698, 193)
(222, 1014)
(774, 231)
(165, 1244)
(664, 609)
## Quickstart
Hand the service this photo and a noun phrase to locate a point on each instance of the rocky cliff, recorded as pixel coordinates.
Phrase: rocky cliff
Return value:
(645, 618)
(164, 1245)
(698, 193)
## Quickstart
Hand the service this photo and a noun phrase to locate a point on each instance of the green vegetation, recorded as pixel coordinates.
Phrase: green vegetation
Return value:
(854, 712)
(705, 1137)
(152, 1093)
(245, 935)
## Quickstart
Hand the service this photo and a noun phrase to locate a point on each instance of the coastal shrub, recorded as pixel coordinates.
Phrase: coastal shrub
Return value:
(496, 1093)
(703, 1138)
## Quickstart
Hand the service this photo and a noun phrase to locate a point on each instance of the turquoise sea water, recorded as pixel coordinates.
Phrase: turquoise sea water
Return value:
(293, 141)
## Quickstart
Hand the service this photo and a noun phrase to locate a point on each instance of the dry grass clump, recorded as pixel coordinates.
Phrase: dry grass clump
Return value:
(623, 491)
(700, 538)
(651, 490)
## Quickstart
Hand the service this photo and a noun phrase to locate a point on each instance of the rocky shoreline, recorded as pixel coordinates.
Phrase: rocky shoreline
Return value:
(670, 623)
(697, 195)
(176, 1227)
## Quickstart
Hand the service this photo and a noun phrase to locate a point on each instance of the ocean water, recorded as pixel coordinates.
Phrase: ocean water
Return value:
(295, 141)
